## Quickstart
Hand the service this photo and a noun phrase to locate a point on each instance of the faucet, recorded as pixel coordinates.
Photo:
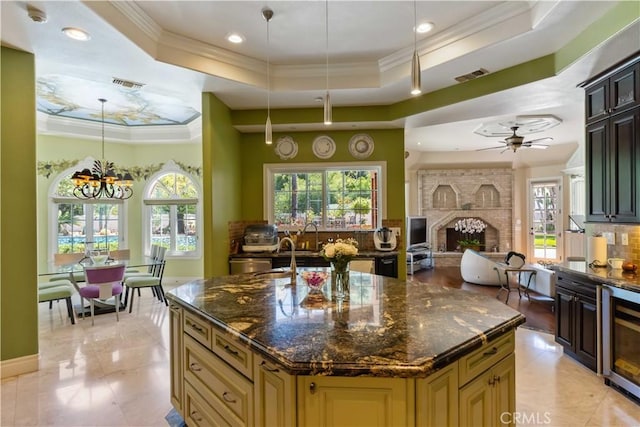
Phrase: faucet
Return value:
(314, 226)
(292, 266)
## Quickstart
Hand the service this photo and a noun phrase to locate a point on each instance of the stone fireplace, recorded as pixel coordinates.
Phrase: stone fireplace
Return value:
(448, 195)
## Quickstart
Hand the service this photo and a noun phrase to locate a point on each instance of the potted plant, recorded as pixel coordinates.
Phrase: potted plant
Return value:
(468, 227)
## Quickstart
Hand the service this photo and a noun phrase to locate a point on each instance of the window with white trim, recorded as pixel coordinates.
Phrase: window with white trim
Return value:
(173, 214)
(336, 197)
(77, 225)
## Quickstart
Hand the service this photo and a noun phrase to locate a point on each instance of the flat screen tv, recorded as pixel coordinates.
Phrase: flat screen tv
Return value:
(417, 232)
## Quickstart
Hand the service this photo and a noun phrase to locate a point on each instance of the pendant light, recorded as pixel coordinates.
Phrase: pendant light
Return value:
(416, 84)
(327, 98)
(102, 182)
(267, 14)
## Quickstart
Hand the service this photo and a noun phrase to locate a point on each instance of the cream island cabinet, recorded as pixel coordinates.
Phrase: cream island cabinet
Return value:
(248, 350)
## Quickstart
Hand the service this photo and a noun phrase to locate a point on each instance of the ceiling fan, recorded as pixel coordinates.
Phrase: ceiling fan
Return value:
(514, 142)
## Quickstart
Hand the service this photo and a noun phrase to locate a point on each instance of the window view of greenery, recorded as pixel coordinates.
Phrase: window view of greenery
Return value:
(173, 213)
(85, 224)
(545, 214)
(81, 224)
(333, 199)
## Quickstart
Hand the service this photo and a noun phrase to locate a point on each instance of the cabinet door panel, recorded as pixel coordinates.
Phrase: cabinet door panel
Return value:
(354, 402)
(597, 171)
(175, 327)
(564, 318)
(597, 101)
(437, 398)
(476, 402)
(625, 88)
(586, 327)
(274, 392)
(625, 139)
(505, 389)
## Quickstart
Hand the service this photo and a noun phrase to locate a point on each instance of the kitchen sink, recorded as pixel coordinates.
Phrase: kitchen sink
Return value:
(273, 274)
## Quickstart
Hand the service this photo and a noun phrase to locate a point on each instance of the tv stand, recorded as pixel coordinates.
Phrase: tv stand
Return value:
(419, 258)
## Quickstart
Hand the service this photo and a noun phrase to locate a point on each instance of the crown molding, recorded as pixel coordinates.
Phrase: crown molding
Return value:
(161, 134)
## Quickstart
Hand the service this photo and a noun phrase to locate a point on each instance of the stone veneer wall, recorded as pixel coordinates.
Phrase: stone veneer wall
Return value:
(447, 195)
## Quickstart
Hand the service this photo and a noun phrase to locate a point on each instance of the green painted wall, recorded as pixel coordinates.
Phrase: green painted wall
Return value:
(58, 148)
(221, 152)
(18, 266)
(388, 147)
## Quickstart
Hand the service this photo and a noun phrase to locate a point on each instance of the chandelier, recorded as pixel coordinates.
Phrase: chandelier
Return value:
(102, 182)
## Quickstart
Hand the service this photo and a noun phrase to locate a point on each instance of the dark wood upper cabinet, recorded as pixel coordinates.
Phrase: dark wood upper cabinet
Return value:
(612, 93)
(612, 159)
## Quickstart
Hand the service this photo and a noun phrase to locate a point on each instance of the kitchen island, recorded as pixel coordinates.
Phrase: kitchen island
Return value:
(253, 350)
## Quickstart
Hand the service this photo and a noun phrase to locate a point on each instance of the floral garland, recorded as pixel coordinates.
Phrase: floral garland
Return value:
(139, 173)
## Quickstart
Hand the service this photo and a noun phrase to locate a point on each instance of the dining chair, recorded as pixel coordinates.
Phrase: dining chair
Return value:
(153, 270)
(120, 254)
(153, 255)
(60, 259)
(102, 282)
(137, 282)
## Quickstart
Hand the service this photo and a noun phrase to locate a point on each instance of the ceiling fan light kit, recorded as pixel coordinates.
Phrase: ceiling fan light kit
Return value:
(515, 142)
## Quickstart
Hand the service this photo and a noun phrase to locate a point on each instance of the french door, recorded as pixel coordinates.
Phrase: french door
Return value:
(545, 221)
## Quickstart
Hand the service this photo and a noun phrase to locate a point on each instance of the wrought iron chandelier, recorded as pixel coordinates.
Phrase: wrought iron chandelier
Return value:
(102, 182)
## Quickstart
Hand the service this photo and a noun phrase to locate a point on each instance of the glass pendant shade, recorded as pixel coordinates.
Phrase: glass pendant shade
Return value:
(327, 109)
(268, 133)
(416, 83)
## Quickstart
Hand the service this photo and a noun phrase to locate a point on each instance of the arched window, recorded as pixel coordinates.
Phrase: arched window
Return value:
(173, 213)
(76, 225)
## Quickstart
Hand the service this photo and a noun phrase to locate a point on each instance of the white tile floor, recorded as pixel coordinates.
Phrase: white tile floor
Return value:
(117, 374)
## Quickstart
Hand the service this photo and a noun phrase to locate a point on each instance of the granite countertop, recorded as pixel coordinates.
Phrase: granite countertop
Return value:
(312, 254)
(388, 328)
(604, 275)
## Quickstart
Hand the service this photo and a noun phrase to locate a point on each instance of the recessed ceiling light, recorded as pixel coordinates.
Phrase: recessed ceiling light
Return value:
(235, 38)
(76, 33)
(425, 27)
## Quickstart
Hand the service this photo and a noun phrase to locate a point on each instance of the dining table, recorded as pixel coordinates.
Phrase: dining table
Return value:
(75, 273)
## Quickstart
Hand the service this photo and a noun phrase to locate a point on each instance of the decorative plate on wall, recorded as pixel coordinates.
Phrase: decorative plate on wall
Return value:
(324, 147)
(286, 148)
(361, 146)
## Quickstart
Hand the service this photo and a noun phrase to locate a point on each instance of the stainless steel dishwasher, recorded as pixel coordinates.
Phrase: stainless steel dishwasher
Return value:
(248, 265)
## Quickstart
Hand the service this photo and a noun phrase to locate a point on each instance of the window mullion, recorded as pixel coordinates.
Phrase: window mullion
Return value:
(173, 221)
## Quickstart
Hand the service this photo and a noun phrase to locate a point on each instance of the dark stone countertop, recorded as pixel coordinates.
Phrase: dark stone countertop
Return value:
(389, 328)
(309, 254)
(604, 275)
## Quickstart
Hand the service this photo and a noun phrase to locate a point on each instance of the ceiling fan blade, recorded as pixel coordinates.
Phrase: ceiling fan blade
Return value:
(539, 146)
(548, 138)
(490, 148)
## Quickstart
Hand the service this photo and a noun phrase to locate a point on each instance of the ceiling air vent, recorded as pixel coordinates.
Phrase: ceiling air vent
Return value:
(127, 83)
(472, 75)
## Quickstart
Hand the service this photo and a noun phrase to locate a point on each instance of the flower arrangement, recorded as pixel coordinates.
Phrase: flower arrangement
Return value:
(314, 279)
(469, 226)
(340, 252)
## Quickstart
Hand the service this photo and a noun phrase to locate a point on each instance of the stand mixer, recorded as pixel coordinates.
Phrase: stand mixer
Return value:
(384, 239)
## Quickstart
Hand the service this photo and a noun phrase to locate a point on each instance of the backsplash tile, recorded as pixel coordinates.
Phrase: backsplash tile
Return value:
(630, 252)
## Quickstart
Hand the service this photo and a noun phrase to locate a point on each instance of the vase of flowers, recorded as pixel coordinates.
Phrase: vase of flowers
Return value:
(468, 227)
(339, 254)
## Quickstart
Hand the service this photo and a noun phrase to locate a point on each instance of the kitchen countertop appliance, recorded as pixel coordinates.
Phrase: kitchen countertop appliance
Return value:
(260, 238)
(384, 239)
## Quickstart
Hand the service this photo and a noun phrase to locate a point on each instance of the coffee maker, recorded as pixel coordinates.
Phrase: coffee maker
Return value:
(384, 239)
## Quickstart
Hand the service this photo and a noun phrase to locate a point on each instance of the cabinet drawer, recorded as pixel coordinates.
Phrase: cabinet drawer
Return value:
(474, 364)
(198, 412)
(222, 387)
(198, 328)
(234, 354)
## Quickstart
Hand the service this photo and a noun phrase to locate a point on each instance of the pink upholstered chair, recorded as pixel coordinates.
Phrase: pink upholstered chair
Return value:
(102, 282)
